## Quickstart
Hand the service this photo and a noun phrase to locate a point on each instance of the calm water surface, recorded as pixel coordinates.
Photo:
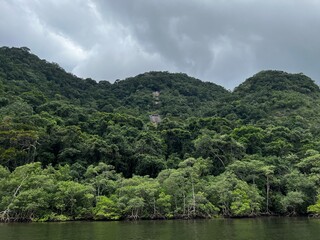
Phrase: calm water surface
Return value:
(217, 229)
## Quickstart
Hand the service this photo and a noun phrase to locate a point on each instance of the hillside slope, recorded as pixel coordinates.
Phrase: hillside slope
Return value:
(276, 97)
(36, 81)
(253, 151)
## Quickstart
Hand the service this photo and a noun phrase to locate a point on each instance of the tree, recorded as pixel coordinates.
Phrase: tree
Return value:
(291, 201)
(26, 193)
(103, 178)
(251, 137)
(106, 208)
(73, 199)
(222, 149)
(234, 197)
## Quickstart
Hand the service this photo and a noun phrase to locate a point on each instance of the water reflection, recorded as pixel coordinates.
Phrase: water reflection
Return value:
(216, 229)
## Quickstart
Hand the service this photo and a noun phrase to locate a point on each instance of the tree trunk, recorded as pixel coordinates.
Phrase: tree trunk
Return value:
(184, 205)
(5, 215)
(268, 189)
(193, 200)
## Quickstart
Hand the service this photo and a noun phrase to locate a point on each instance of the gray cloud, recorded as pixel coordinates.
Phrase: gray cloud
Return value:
(220, 41)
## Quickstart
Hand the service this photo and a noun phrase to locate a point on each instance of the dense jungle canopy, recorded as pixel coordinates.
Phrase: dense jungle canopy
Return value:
(73, 148)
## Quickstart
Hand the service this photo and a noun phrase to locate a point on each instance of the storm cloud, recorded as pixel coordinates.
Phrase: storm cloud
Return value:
(222, 41)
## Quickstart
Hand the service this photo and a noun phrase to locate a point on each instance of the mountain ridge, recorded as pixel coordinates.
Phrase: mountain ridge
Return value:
(191, 95)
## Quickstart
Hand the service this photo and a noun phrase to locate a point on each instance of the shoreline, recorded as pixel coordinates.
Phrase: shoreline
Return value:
(167, 219)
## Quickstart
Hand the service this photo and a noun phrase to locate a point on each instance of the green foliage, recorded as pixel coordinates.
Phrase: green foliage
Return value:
(106, 209)
(74, 148)
(315, 208)
(73, 199)
(291, 201)
(234, 197)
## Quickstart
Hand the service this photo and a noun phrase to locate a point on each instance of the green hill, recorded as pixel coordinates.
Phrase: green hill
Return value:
(92, 148)
(180, 95)
(36, 81)
(275, 97)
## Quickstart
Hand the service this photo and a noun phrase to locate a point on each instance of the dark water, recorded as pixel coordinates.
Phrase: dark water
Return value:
(217, 229)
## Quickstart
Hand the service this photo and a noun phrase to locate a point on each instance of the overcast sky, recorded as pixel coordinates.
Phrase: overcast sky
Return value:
(222, 41)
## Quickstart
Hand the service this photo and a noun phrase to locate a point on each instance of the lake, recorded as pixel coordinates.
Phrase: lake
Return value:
(216, 229)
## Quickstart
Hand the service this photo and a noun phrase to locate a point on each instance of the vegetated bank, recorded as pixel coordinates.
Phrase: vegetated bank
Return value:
(73, 148)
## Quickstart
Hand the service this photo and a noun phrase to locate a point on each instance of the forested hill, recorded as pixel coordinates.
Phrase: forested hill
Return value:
(276, 97)
(38, 82)
(73, 148)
